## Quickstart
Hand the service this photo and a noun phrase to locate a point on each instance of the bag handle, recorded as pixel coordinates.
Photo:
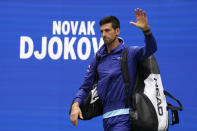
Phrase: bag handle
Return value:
(174, 109)
(170, 106)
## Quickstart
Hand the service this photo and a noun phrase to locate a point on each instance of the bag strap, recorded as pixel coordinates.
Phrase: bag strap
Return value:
(170, 106)
(174, 109)
(98, 57)
(125, 75)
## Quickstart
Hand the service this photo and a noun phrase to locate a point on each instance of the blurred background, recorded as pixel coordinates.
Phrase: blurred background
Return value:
(36, 94)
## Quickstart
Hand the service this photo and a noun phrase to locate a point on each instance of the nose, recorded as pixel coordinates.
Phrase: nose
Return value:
(103, 34)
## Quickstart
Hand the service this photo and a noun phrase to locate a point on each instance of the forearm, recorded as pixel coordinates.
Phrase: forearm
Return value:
(151, 45)
(87, 84)
(149, 48)
(81, 96)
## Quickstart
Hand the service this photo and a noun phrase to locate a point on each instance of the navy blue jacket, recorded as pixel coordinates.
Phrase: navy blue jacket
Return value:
(111, 89)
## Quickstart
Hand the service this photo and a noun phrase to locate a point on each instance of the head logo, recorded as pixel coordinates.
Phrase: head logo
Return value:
(158, 97)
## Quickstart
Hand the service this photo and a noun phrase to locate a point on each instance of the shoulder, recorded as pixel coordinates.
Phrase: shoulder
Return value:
(132, 49)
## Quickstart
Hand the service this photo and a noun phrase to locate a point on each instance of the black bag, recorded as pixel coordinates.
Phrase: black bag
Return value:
(150, 109)
(92, 107)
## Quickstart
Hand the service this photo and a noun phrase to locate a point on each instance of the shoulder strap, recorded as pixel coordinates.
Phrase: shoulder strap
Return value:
(125, 75)
(97, 62)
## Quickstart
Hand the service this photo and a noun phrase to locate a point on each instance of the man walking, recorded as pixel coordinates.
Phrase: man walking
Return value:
(111, 88)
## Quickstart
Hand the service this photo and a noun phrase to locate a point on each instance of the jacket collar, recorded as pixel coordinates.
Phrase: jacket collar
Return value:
(103, 50)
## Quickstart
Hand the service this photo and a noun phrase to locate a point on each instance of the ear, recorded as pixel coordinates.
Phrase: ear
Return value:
(117, 31)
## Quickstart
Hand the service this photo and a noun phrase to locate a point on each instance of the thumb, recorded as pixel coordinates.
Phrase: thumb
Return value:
(133, 23)
(80, 115)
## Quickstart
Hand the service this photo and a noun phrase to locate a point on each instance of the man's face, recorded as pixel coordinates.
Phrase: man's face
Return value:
(108, 33)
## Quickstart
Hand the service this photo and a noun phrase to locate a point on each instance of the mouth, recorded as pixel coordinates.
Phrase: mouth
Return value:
(105, 38)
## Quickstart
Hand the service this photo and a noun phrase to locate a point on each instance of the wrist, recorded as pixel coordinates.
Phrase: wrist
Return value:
(145, 28)
(146, 31)
(76, 104)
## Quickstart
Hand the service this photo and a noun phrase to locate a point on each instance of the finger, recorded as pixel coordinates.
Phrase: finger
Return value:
(144, 13)
(75, 123)
(73, 119)
(137, 11)
(140, 12)
(136, 14)
(80, 115)
(133, 23)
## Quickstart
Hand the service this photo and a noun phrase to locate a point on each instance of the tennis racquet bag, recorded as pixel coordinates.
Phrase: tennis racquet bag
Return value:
(150, 108)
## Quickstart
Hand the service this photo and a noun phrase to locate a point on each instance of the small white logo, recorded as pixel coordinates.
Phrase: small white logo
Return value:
(94, 93)
(88, 70)
(119, 58)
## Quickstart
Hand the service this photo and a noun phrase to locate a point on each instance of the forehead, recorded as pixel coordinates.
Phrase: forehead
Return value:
(106, 26)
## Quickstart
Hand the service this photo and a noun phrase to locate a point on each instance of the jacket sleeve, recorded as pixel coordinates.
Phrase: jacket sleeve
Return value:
(88, 82)
(141, 53)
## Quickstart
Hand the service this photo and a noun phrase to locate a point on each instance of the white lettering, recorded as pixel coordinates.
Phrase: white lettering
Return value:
(79, 48)
(82, 28)
(68, 48)
(29, 41)
(59, 48)
(67, 25)
(56, 27)
(74, 27)
(43, 49)
(91, 28)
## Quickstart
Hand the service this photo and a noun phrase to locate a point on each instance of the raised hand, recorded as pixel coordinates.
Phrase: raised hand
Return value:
(141, 20)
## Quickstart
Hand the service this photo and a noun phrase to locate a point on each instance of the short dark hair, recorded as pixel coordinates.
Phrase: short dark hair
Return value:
(110, 19)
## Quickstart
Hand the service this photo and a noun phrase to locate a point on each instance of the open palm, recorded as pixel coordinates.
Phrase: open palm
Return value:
(141, 19)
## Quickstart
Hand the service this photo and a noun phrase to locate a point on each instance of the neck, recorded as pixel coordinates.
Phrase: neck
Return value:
(113, 45)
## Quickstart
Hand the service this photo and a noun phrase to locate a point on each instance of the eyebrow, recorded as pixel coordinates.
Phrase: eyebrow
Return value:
(105, 29)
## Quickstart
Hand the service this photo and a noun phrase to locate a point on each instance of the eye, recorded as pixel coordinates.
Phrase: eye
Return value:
(107, 30)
